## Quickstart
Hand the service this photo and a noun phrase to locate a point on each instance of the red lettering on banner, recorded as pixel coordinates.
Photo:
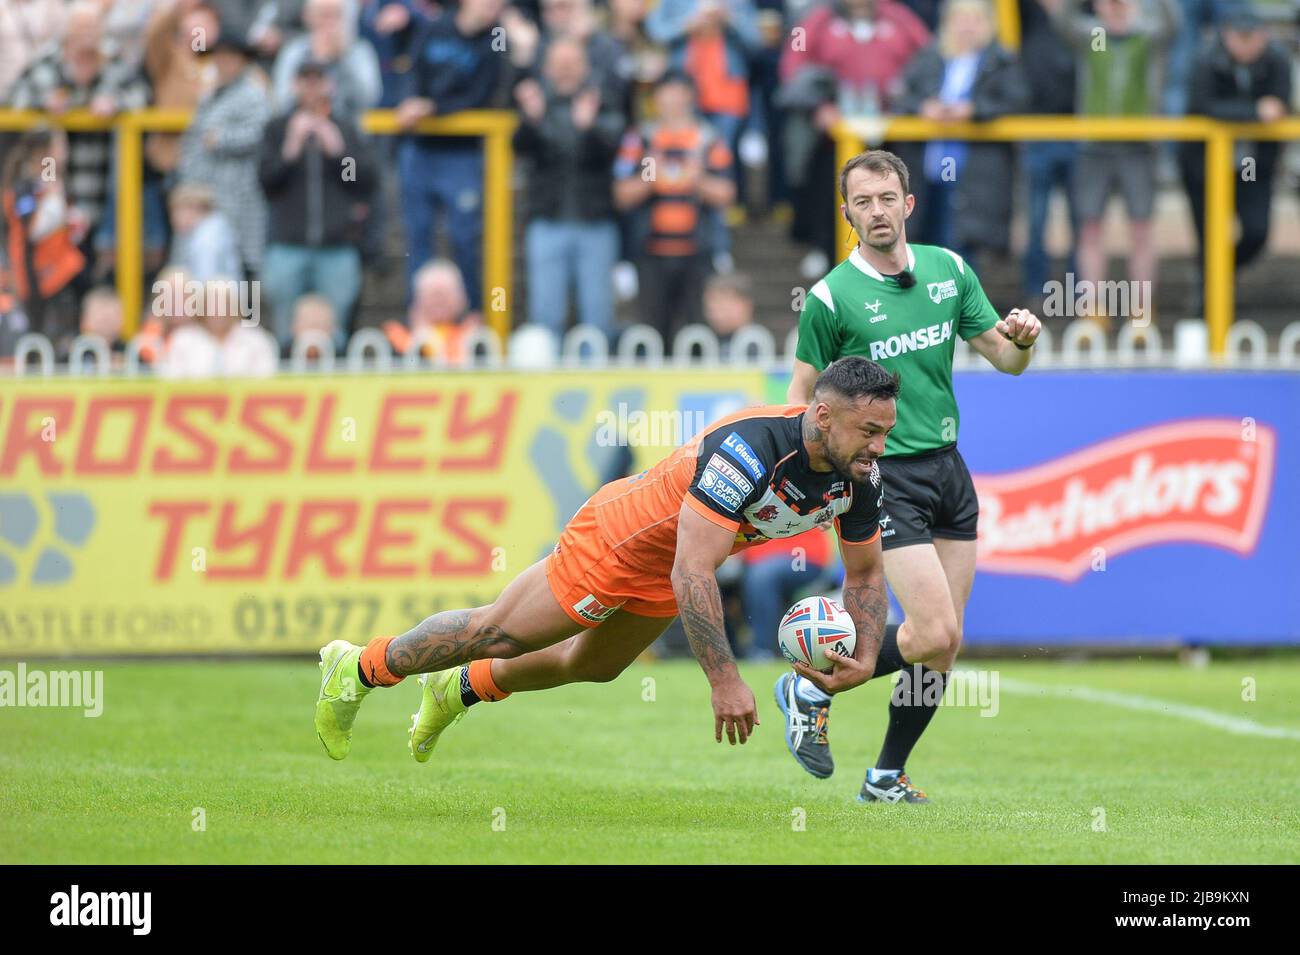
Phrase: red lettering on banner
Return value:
(480, 561)
(87, 460)
(18, 443)
(251, 417)
(317, 460)
(494, 426)
(177, 515)
(261, 535)
(381, 537)
(1193, 481)
(308, 541)
(389, 431)
(174, 416)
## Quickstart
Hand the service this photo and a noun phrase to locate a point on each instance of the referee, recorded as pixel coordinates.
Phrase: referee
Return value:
(903, 306)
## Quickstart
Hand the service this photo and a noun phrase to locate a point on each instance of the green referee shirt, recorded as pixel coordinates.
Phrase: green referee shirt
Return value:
(855, 310)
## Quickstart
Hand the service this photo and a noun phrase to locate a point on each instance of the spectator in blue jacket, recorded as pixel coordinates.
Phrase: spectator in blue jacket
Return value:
(454, 67)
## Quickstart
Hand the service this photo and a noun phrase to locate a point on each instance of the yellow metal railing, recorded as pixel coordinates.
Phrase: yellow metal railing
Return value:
(1220, 195)
(494, 127)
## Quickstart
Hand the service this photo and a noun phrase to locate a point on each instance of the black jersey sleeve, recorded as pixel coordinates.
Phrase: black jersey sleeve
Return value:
(732, 470)
(861, 522)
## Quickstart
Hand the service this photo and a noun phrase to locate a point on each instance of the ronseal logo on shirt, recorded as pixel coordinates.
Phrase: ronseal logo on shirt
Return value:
(916, 340)
(1184, 482)
(742, 452)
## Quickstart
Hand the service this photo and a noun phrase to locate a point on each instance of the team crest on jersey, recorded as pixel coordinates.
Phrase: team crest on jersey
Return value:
(941, 290)
(773, 517)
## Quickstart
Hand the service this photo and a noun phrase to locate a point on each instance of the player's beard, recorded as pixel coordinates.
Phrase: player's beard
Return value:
(843, 464)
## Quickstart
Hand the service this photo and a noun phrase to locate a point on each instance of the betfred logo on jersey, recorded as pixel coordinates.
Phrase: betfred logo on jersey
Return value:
(1195, 482)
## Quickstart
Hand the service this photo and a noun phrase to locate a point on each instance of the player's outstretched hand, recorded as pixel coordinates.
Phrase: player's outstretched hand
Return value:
(846, 673)
(735, 708)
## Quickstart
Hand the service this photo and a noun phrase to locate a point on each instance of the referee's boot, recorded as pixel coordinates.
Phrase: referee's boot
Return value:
(890, 785)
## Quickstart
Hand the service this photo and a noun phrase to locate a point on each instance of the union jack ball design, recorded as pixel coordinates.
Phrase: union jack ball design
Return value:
(813, 626)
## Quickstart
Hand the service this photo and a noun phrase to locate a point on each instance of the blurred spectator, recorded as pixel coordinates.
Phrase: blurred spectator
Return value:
(1241, 75)
(77, 75)
(573, 19)
(862, 46)
(1048, 66)
(1199, 17)
(349, 61)
(711, 41)
(775, 573)
(173, 302)
(313, 320)
(27, 27)
(672, 171)
(101, 317)
(178, 81)
(125, 25)
(728, 307)
(318, 174)
(1123, 78)
(642, 60)
(220, 147)
(454, 67)
(439, 319)
(203, 243)
(570, 139)
(963, 196)
(390, 26)
(44, 229)
(219, 344)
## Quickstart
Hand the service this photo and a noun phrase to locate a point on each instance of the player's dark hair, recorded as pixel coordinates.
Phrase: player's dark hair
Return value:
(880, 161)
(856, 377)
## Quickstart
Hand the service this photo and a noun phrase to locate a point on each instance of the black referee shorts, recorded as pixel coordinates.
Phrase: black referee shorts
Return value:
(927, 495)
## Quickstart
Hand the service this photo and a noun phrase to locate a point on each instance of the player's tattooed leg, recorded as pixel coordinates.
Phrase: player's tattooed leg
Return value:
(449, 639)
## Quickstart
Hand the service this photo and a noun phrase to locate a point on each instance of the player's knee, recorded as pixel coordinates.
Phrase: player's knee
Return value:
(937, 638)
(598, 671)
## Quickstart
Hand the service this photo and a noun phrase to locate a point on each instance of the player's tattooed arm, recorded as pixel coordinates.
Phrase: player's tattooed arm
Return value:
(700, 604)
(702, 545)
(448, 639)
(868, 604)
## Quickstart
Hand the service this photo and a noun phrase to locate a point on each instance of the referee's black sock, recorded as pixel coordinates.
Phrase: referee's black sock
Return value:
(911, 707)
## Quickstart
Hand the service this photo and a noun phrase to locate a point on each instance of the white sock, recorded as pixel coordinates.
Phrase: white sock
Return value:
(810, 691)
(874, 775)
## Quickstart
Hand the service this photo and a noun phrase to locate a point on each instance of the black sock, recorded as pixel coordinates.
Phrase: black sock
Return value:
(889, 660)
(362, 677)
(911, 707)
(467, 694)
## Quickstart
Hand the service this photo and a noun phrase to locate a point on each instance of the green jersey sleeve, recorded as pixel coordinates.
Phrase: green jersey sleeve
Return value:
(977, 312)
(819, 329)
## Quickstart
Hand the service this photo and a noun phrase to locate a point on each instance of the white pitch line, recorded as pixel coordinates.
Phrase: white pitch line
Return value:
(1197, 714)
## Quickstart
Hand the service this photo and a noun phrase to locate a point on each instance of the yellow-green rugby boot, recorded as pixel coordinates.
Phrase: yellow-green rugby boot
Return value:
(440, 707)
(341, 693)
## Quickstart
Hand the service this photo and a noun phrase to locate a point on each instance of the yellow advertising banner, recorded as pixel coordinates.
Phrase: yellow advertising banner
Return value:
(142, 516)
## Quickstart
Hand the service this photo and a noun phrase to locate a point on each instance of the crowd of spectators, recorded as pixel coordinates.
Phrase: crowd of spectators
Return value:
(642, 127)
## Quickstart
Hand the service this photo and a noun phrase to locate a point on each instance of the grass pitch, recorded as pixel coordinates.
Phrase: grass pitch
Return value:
(1145, 762)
